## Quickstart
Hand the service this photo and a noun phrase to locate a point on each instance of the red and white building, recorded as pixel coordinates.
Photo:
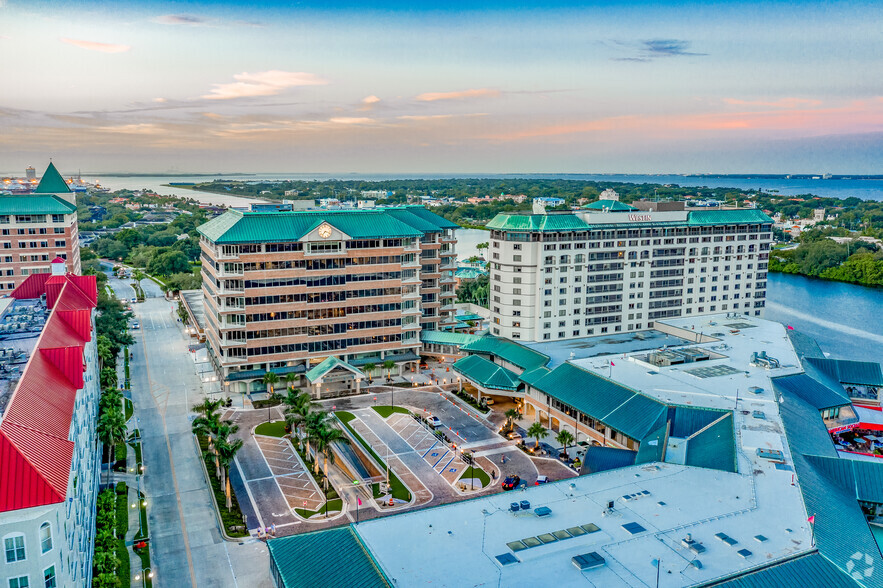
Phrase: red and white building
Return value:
(37, 228)
(49, 455)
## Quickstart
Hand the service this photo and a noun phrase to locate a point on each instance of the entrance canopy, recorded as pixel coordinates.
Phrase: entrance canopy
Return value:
(329, 364)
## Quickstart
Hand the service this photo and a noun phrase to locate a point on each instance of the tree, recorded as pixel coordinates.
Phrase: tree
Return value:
(270, 379)
(326, 436)
(537, 431)
(105, 350)
(511, 415)
(226, 452)
(106, 580)
(170, 262)
(108, 377)
(482, 246)
(388, 365)
(369, 368)
(111, 430)
(207, 407)
(290, 378)
(565, 438)
(298, 409)
(314, 422)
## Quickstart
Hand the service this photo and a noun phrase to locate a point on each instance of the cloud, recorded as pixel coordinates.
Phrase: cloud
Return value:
(423, 117)
(96, 46)
(651, 49)
(369, 102)
(180, 19)
(265, 83)
(352, 120)
(781, 103)
(472, 93)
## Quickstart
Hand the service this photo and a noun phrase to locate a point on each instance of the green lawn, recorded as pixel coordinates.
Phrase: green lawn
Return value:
(399, 490)
(144, 554)
(272, 429)
(130, 408)
(334, 505)
(143, 532)
(474, 472)
(387, 411)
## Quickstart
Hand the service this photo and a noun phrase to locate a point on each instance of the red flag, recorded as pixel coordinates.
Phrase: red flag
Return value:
(812, 520)
(360, 501)
(790, 328)
(612, 364)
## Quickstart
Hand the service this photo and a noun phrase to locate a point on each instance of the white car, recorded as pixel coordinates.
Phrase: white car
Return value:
(136, 326)
(434, 422)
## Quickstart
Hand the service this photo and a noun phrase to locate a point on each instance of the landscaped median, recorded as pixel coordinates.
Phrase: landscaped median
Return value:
(231, 520)
(398, 489)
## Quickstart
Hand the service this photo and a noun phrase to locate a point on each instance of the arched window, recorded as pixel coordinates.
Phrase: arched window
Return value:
(15, 547)
(45, 537)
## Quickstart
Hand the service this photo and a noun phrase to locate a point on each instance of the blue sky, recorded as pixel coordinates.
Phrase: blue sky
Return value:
(391, 87)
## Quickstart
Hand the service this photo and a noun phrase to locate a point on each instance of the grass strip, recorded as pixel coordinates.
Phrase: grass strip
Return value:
(334, 505)
(272, 429)
(122, 509)
(229, 518)
(476, 472)
(130, 408)
(399, 490)
(387, 411)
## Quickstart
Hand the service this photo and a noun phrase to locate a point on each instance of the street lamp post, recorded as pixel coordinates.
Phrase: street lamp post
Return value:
(144, 575)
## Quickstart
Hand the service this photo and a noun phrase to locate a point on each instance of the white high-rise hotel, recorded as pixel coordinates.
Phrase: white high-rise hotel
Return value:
(614, 268)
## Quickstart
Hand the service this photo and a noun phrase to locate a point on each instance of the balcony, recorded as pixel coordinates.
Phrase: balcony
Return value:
(414, 310)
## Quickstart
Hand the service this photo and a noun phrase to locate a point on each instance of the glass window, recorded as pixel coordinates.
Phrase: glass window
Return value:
(20, 582)
(45, 537)
(49, 577)
(15, 548)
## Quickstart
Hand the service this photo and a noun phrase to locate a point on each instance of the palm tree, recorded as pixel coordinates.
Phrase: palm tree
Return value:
(298, 409)
(219, 436)
(369, 368)
(205, 426)
(207, 407)
(226, 451)
(314, 422)
(327, 436)
(110, 398)
(105, 351)
(290, 378)
(511, 415)
(270, 379)
(388, 365)
(537, 431)
(564, 438)
(111, 430)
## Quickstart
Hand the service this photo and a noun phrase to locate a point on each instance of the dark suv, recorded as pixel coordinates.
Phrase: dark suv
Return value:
(511, 482)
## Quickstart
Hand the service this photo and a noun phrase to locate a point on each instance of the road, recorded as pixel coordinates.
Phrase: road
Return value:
(187, 547)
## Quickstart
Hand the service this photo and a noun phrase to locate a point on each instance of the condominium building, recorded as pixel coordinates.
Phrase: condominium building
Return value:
(614, 268)
(285, 290)
(37, 228)
(49, 455)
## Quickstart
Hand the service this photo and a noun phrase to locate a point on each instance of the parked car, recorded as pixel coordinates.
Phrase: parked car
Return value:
(542, 480)
(136, 326)
(487, 400)
(434, 422)
(511, 482)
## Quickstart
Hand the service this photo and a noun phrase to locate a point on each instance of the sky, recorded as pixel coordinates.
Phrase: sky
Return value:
(442, 87)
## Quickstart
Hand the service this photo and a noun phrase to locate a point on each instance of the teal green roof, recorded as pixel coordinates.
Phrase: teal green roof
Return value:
(447, 337)
(600, 459)
(52, 182)
(841, 528)
(516, 354)
(328, 364)
(427, 215)
(257, 227)
(728, 217)
(864, 373)
(333, 558)
(615, 405)
(862, 478)
(610, 205)
(35, 204)
(805, 570)
(486, 373)
(571, 222)
(812, 391)
(713, 447)
(407, 216)
(804, 345)
(469, 273)
(537, 222)
(534, 375)
(653, 446)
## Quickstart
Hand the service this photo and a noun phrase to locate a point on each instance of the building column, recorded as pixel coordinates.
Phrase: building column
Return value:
(318, 389)
(358, 385)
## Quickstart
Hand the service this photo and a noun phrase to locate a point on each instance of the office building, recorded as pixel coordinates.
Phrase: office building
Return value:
(734, 480)
(49, 454)
(613, 268)
(37, 228)
(285, 291)
(30, 173)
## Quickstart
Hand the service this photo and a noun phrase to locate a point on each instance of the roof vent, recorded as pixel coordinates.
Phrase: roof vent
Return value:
(588, 561)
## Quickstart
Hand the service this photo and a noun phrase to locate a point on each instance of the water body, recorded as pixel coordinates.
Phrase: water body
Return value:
(863, 189)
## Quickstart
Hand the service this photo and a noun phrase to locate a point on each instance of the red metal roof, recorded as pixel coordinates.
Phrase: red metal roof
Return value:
(35, 453)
